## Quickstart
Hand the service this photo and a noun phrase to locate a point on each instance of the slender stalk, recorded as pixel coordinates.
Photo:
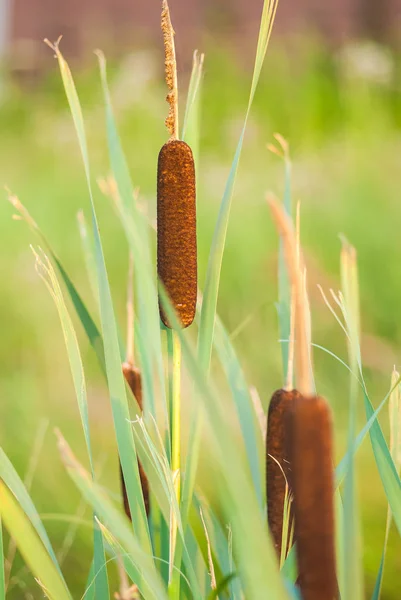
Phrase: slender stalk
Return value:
(175, 374)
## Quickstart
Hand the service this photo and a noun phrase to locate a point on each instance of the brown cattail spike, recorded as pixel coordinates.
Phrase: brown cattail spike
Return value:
(309, 442)
(176, 229)
(133, 378)
(277, 462)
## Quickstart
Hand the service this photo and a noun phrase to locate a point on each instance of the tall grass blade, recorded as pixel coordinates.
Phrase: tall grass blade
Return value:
(31, 547)
(84, 316)
(116, 385)
(395, 440)
(137, 232)
(145, 575)
(2, 574)
(206, 329)
(48, 275)
(352, 584)
(253, 550)
(13, 481)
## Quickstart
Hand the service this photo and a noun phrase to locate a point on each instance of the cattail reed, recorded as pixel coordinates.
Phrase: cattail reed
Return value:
(133, 378)
(176, 229)
(176, 200)
(309, 448)
(277, 463)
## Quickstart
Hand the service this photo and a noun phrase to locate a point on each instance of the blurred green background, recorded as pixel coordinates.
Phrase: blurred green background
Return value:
(340, 110)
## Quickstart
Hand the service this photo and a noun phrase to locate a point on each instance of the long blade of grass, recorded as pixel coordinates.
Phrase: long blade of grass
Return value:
(2, 574)
(145, 576)
(137, 232)
(48, 275)
(31, 547)
(89, 325)
(255, 556)
(352, 584)
(395, 440)
(13, 481)
(124, 435)
(243, 403)
(206, 330)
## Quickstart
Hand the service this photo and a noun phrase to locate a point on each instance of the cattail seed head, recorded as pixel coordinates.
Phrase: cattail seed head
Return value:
(309, 447)
(176, 229)
(133, 378)
(277, 462)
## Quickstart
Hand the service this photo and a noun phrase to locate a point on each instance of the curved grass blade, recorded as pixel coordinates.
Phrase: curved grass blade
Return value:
(206, 329)
(145, 574)
(254, 554)
(124, 435)
(2, 574)
(84, 316)
(31, 547)
(13, 481)
(137, 233)
(46, 271)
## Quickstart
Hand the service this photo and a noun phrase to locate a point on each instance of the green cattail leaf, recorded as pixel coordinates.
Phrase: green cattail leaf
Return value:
(284, 286)
(211, 290)
(145, 574)
(48, 274)
(136, 229)
(31, 547)
(116, 384)
(249, 424)
(191, 126)
(2, 578)
(253, 551)
(13, 481)
(351, 571)
(83, 314)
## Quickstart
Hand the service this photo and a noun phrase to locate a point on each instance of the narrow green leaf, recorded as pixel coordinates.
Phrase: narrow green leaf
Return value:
(137, 233)
(206, 330)
(48, 275)
(254, 553)
(13, 481)
(2, 576)
(124, 435)
(31, 547)
(87, 322)
(146, 576)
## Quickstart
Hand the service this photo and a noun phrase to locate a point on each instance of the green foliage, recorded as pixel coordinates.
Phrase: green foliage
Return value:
(223, 549)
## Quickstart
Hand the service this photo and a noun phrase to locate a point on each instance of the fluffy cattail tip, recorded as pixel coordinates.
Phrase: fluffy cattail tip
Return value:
(309, 437)
(277, 463)
(176, 229)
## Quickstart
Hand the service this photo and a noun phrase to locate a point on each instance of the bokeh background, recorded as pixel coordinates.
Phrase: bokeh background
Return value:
(331, 86)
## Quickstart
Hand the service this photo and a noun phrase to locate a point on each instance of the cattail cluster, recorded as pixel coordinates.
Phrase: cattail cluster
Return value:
(176, 229)
(133, 378)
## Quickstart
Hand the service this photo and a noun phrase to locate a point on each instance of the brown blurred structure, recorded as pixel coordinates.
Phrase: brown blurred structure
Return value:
(117, 25)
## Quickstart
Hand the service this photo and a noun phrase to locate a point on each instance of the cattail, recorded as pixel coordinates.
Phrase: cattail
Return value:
(309, 446)
(176, 229)
(277, 463)
(176, 200)
(133, 378)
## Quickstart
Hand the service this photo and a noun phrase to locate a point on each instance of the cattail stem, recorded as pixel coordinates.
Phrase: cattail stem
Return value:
(175, 438)
(309, 446)
(278, 465)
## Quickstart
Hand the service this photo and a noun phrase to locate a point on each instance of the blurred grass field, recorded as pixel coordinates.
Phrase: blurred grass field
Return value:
(343, 123)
